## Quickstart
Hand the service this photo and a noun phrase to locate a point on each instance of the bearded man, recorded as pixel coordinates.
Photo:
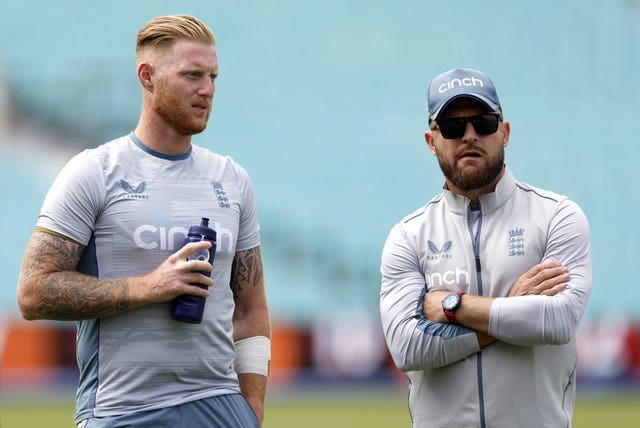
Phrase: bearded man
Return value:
(483, 287)
(108, 253)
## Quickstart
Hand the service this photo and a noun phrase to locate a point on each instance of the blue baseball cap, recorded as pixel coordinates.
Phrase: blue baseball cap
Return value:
(460, 83)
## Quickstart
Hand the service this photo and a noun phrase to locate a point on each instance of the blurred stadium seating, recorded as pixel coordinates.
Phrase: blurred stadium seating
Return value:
(323, 103)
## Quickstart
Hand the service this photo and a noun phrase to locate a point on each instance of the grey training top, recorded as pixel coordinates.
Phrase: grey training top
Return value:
(526, 378)
(131, 207)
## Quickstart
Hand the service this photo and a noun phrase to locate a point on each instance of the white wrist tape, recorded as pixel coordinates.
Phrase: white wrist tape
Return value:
(253, 355)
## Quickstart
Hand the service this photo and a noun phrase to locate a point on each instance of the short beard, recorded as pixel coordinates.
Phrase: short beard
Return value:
(471, 181)
(168, 108)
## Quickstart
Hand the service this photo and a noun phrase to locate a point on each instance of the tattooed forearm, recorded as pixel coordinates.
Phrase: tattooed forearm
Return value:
(50, 288)
(74, 296)
(246, 270)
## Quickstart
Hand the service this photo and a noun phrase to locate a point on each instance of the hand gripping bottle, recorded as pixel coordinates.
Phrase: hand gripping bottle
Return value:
(188, 308)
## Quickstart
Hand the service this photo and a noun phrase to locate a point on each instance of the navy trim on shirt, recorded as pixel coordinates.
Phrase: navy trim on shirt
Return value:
(152, 152)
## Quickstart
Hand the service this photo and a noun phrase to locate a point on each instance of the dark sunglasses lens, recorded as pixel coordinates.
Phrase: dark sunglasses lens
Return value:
(452, 128)
(484, 124)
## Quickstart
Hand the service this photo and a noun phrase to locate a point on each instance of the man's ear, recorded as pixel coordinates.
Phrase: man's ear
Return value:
(506, 126)
(428, 137)
(145, 72)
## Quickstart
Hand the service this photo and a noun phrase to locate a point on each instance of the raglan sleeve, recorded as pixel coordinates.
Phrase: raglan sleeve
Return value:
(551, 320)
(414, 342)
(74, 199)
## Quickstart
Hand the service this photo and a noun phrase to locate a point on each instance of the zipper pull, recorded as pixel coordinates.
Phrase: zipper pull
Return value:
(478, 269)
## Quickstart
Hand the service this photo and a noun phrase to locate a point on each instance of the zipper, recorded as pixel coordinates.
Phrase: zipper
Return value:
(475, 240)
(474, 224)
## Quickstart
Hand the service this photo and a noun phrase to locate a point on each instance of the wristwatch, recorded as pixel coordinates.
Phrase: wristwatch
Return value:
(450, 305)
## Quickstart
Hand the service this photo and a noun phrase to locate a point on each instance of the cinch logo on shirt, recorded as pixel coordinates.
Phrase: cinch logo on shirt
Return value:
(151, 237)
(465, 81)
(447, 279)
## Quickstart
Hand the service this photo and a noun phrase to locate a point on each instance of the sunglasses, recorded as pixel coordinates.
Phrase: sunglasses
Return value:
(455, 127)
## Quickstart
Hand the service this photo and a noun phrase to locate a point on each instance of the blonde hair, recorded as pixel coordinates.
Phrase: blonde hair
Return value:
(163, 31)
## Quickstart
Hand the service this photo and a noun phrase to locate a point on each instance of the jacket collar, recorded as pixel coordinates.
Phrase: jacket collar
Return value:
(489, 201)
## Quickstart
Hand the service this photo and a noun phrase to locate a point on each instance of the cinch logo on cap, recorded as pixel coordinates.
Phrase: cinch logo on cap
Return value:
(460, 82)
(457, 83)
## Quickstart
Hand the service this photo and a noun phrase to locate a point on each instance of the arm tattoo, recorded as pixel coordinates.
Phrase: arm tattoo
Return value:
(246, 270)
(48, 272)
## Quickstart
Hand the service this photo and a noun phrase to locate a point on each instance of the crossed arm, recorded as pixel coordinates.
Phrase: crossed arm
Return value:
(543, 306)
(424, 341)
(527, 316)
(547, 279)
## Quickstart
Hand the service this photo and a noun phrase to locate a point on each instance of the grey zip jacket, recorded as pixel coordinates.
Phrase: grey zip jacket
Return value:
(526, 378)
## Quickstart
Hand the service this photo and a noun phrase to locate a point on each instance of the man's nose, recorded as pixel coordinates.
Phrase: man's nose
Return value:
(207, 88)
(469, 133)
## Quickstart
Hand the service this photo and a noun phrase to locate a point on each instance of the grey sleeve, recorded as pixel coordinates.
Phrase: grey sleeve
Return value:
(249, 226)
(414, 342)
(551, 320)
(74, 199)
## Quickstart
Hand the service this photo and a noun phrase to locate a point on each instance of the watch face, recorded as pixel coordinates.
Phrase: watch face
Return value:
(450, 302)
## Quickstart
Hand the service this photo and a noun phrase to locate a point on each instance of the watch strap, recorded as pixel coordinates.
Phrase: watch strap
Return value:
(451, 314)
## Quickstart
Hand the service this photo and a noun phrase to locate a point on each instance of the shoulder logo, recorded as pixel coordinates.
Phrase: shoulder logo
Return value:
(134, 192)
(515, 242)
(221, 194)
(439, 252)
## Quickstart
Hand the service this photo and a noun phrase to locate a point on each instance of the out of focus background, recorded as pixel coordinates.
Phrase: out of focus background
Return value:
(324, 104)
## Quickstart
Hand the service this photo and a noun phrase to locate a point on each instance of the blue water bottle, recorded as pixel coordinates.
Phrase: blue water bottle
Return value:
(188, 308)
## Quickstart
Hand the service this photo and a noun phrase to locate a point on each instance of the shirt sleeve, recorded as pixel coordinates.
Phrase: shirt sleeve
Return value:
(249, 227)
(74, 199)
(551, 320)
(414, 342)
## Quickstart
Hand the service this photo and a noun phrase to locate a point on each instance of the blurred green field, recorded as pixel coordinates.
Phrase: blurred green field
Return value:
(613, 411)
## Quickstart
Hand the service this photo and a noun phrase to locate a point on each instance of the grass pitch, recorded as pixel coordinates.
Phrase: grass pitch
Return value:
(612, 411)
